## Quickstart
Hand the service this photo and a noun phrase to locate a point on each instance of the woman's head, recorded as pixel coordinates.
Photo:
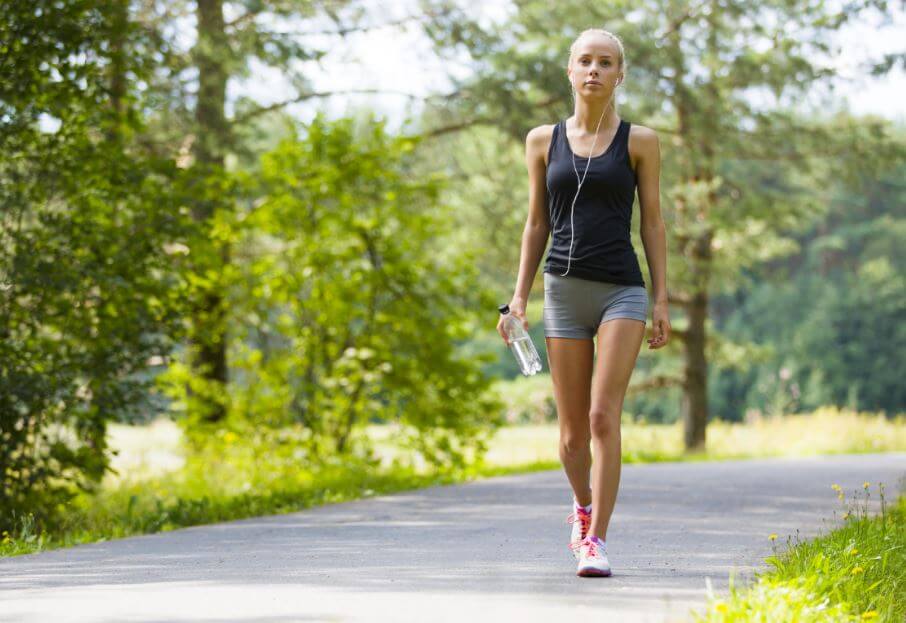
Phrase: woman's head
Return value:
(596, 56)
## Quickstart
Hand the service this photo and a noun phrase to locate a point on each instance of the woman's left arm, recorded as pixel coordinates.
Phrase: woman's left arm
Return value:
(654, 238)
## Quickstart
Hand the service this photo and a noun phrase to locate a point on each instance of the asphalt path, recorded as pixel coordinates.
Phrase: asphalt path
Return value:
(490, 550)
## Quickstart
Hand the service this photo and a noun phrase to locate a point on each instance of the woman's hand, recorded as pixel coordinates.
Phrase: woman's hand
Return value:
(660, 326)
(517, 309)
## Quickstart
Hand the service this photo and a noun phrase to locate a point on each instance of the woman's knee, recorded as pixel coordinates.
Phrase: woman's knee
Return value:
(604, 422)
(572, 441)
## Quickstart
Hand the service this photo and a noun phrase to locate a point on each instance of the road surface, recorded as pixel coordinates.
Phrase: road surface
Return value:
(491, 550)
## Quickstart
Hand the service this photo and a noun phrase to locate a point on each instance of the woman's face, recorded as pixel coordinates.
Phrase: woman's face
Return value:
(595, 66)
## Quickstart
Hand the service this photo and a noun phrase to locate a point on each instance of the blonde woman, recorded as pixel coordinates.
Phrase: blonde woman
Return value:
(584, 172)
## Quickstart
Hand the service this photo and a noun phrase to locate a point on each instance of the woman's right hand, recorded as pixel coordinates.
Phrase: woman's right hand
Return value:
(517, 309)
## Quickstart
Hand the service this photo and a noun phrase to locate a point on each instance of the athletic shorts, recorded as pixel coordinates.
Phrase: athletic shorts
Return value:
(575, 307)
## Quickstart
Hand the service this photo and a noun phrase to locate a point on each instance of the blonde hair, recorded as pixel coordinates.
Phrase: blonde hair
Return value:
(607, 33)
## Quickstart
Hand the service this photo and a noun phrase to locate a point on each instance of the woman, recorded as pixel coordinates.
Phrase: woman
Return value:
(593, 286)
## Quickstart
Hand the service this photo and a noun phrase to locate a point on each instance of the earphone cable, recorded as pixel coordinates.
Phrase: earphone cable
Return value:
(580, 182)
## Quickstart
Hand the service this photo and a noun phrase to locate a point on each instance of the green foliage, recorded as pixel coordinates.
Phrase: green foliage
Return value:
(342, 311)
(841, 299)
(855, 573)
(528, 400)
(262, 471)
(86, 296)
(741, 177)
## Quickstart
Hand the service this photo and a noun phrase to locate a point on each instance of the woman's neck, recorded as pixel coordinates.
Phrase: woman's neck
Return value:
(586, 116)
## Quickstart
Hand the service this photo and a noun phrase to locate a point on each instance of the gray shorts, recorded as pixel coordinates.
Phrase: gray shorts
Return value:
(575, 307)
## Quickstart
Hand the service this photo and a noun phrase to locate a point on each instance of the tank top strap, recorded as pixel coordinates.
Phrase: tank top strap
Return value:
(621, 149)
(623, 132)
(555, 139)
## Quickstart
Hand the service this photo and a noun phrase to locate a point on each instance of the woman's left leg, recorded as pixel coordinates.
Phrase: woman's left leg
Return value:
(619, 341)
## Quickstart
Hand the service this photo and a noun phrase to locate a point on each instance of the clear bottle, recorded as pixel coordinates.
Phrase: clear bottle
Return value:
(520, 343)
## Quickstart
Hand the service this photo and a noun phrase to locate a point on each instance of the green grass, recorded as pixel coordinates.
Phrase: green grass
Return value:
(852, 574)
(233, 478)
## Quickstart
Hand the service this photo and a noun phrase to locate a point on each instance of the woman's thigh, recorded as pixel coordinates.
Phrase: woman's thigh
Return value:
(619, 341)
(571, 362)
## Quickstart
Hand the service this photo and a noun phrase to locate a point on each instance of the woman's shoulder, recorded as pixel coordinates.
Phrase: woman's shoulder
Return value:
(642, 140)
(538, 141)
(641, 134)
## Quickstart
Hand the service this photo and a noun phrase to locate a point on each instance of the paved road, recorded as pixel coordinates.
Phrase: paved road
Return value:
(493, 550)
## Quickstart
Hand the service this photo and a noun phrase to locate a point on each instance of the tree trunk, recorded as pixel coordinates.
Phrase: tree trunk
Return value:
(695, 382)
(119, 22)
(208, 334)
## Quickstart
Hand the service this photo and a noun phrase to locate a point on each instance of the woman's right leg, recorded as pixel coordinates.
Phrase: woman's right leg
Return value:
(571, 362)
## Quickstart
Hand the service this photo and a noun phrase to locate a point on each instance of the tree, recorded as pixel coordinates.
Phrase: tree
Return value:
(86, 294)
(736, 175)
(840, 297)
(278, 33)
(342, 313)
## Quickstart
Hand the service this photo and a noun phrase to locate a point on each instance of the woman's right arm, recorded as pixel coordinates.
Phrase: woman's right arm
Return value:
(537, 227)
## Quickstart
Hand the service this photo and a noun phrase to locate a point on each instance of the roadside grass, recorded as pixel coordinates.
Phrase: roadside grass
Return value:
(159, 489)
(854, 573)
(824, 431)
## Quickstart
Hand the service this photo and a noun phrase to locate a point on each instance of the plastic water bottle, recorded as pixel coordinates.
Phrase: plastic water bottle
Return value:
(520, 343)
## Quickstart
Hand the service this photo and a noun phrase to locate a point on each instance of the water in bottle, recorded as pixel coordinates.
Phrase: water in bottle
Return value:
(520, 343)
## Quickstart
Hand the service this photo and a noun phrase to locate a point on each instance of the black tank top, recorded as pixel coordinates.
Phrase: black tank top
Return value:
(602, 248)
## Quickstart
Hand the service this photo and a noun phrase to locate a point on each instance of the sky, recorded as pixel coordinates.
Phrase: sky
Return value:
(400, 60)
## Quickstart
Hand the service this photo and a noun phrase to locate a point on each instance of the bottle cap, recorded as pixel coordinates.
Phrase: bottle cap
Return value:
(504, 309)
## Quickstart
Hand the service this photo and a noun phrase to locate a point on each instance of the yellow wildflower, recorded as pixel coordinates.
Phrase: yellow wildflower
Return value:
(853, 551)
(773, 536)
(836, 487)
(857, 570)
(846, 515)
(720, 607)
(869, 614)
(865, 485)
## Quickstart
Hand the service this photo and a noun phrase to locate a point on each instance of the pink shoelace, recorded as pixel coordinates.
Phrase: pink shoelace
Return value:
(592, 547)
(584, 518)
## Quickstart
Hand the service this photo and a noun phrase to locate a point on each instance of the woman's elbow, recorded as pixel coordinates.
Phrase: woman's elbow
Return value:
(652, 225)
(537, 227)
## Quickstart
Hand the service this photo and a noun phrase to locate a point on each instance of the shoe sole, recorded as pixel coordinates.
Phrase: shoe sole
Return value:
(593, 573)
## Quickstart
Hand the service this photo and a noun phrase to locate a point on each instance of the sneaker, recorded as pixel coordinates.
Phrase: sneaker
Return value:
(593, 558)
(581, 520)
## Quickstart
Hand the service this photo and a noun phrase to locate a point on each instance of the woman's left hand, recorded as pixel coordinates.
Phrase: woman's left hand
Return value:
(660, 326)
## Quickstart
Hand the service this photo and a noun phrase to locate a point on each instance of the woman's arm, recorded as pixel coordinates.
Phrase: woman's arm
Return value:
(654, 237)
(537, 228)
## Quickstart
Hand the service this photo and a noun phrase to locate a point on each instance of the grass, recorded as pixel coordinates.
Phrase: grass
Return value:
(852, 574)
(159, 489)
(825, 431)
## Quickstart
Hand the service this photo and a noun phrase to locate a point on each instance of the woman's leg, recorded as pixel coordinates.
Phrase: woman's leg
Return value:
(571, 361)
(619, 341)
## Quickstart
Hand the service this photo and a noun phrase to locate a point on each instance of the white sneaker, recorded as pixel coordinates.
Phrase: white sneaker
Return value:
(593, 558)
(581, 520)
